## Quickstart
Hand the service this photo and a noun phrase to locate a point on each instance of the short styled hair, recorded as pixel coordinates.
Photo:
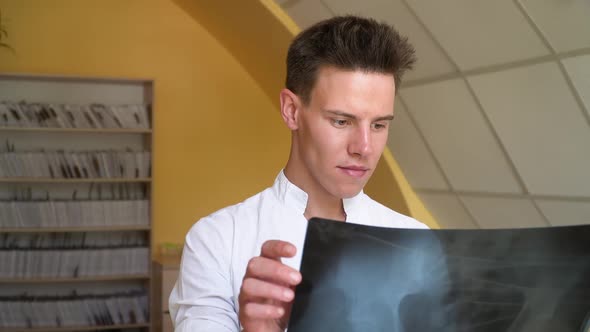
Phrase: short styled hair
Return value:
(348, 43)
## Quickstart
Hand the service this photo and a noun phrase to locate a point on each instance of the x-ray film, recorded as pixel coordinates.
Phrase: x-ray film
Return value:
(365, 279)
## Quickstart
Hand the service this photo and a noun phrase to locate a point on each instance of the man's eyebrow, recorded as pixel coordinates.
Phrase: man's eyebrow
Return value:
(385, 118)
(351, 116)
(340, 113)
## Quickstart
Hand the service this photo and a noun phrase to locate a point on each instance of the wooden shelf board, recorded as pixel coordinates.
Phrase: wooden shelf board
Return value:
(75, 328)
(79, 130)
(80, 279)
(74, 229)
(64, 180)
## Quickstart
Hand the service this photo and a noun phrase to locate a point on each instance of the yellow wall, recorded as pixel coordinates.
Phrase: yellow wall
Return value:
(212, 121)
(218, 135)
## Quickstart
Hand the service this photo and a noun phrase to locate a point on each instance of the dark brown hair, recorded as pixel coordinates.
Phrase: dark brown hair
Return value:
(348, 43)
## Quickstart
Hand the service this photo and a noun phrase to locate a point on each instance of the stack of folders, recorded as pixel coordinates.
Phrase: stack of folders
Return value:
(75, 310)
(72, 255)
(72, 263)
(73, 240)
(89, 213)
(75, 164)
(33, 114)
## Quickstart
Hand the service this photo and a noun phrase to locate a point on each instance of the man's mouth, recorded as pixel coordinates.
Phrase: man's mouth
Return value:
(354, 171)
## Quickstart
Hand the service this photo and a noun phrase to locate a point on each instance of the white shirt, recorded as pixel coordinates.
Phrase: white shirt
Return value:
(219, 246)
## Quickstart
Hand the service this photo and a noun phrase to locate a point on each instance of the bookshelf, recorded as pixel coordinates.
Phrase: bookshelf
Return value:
(75, 203)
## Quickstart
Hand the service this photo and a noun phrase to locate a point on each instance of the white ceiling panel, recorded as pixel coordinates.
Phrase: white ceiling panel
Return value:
(305, 12)
(448, 211)
(431, 60)
(542, 127)
(498, 212)
(460, 139)
(578, 69)
(530, 107)
(565, 24)
(411, 153)
(562, 213)
(479, 33)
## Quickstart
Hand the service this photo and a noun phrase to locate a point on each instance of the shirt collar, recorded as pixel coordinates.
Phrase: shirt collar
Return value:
(291, 195)
(352, 206)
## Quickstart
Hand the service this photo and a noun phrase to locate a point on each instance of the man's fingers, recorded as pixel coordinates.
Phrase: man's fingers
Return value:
(267, 288)
(261, 311)
(276, 249)
(259, 289)
(273, 271)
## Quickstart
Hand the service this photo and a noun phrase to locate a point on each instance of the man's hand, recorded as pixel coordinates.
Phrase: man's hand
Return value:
(267, 289)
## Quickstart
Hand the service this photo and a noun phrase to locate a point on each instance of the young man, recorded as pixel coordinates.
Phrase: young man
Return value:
(240, 264)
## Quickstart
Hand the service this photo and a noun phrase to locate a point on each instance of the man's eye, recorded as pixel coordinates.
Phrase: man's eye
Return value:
(379, 126)
(339, 122)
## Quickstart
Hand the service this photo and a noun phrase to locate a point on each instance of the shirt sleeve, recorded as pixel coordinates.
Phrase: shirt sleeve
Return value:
(202, 299)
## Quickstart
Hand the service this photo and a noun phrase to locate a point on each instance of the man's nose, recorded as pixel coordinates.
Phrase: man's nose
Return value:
(360, 142)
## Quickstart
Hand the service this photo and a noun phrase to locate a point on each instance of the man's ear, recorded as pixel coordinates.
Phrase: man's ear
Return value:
(290, 106)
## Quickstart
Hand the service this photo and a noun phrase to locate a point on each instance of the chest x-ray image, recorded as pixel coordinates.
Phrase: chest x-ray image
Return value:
(367, 279)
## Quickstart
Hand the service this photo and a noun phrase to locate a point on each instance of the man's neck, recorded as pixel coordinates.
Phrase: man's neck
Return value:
(319, 204)
(326, 208)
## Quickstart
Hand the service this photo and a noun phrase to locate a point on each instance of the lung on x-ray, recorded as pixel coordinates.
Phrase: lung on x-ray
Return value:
(365, 279)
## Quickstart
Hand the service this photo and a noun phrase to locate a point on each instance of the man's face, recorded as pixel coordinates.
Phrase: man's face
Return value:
(343, 130)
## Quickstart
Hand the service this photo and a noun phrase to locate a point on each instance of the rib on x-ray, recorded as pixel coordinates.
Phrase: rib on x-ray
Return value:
(364, 279)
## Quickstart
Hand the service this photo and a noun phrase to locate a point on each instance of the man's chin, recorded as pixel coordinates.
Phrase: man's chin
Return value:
(350, 192)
